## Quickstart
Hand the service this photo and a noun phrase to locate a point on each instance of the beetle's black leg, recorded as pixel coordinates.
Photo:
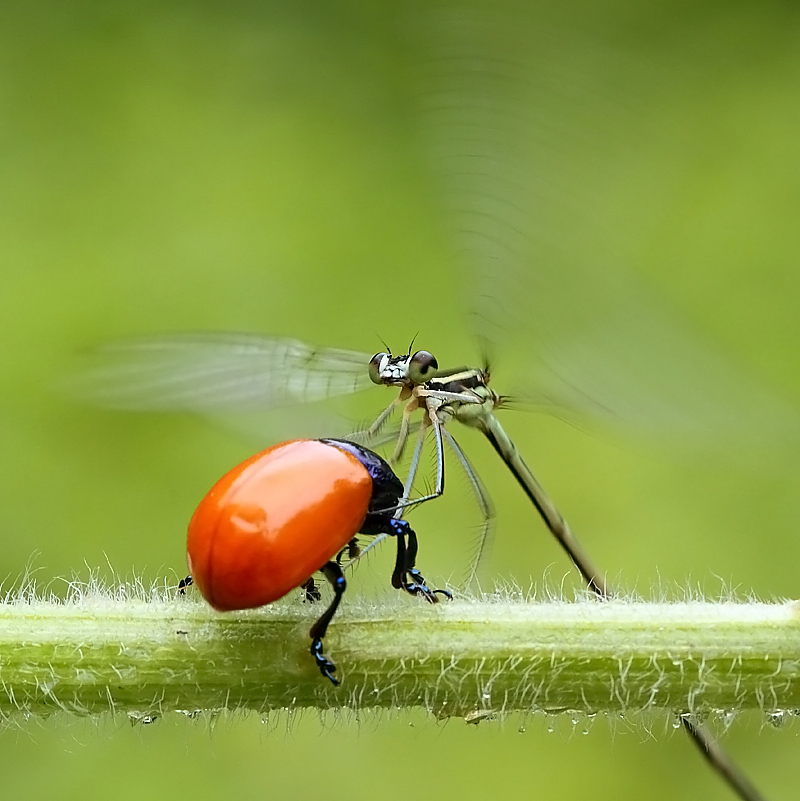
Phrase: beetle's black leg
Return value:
(311, 593)
(351, 549)
(417, 580)
(184, 583)
(333, 573)
(405, 575)
(401, 560)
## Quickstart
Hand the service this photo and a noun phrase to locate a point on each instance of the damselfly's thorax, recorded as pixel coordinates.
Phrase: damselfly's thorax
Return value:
(462, 379)
(463, 394)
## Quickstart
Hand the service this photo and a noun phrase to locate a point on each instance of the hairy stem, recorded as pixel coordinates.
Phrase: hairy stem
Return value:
(96, 653)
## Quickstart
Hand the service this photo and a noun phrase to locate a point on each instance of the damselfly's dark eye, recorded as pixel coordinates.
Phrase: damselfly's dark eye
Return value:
(422, 367)
(376, 365)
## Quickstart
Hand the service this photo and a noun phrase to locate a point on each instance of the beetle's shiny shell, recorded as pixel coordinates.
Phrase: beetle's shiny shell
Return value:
(271, 522)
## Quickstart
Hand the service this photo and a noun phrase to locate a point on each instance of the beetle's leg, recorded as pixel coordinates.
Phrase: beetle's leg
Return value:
(311, 593)
(184, 583)
(333, 573)
(352, 550)
(406, 576)
(417, 579)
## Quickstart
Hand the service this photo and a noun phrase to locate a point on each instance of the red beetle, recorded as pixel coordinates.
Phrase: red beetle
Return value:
(280, 516)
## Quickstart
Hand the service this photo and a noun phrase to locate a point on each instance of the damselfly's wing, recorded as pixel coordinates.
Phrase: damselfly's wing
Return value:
(216, 372)
(528, 134)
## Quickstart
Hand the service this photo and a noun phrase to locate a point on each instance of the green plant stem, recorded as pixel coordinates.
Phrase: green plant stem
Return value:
(97, 654)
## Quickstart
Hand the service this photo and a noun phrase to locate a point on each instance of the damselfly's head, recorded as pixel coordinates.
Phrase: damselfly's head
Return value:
(403, 371)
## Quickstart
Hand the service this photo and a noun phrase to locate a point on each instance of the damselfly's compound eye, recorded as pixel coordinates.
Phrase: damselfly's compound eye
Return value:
(422, 367)
(376, 365)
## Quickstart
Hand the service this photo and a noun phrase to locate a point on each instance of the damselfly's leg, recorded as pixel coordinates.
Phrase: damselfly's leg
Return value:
(405, 501)
(405, 426)
(484, 505)
(365, 436)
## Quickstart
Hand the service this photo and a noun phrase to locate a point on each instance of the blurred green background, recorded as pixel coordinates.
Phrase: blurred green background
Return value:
(257, 167)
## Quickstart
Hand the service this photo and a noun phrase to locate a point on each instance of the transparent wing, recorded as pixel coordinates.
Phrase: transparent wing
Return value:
(216, 372)
(524, 130)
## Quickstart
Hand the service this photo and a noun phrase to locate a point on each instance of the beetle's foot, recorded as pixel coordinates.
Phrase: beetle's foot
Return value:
(415, 584)
(326, 667)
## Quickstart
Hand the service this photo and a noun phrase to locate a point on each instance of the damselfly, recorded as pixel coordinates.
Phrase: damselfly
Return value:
(215, 372)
